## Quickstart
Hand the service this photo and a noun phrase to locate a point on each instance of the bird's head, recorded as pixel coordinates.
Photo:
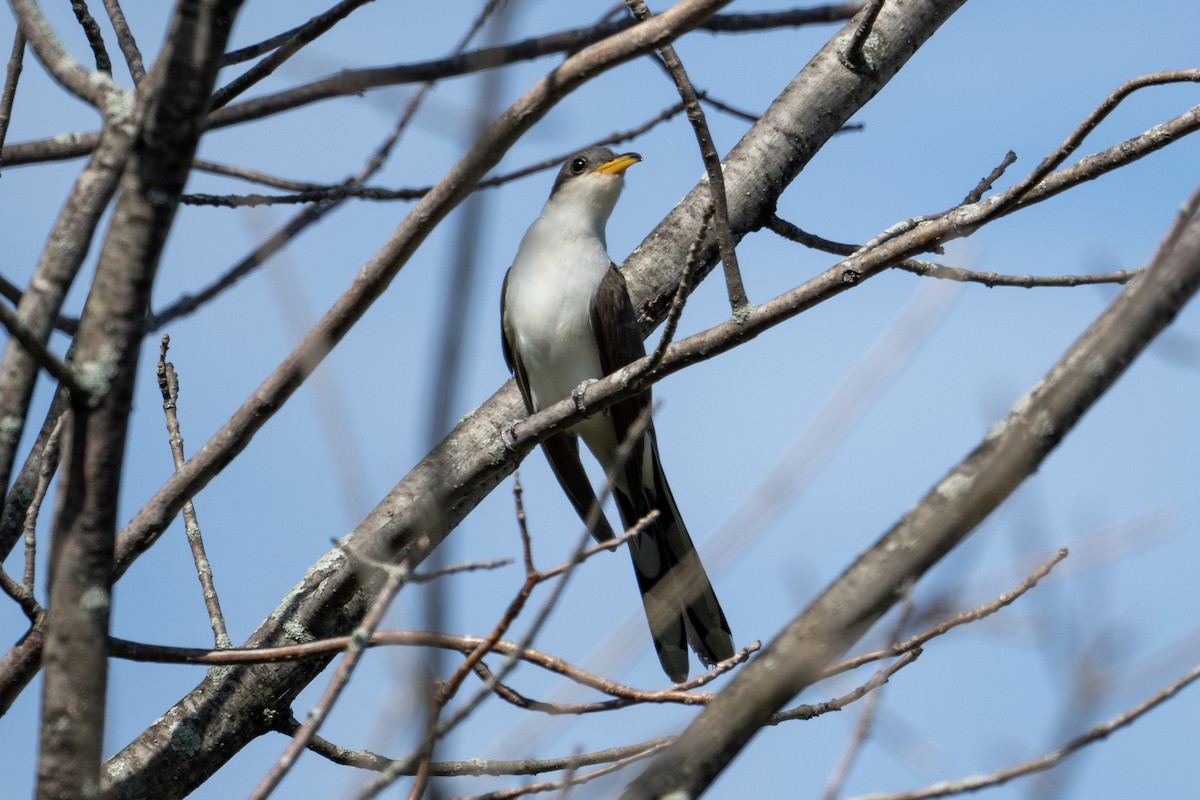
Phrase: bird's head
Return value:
(588, 185)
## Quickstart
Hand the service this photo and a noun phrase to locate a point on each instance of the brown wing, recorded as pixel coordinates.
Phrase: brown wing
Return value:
(561, 449)
(614, 324)
(679, 599)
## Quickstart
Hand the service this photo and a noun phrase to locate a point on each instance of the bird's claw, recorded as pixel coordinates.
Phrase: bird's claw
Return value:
(577, 395)
(508, 435)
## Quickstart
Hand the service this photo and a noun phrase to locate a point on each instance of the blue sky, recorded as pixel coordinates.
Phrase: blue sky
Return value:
(1120, 491)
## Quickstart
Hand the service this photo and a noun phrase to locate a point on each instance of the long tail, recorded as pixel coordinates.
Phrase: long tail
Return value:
(681, 605)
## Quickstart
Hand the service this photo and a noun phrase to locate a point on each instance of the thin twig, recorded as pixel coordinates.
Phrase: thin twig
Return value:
(68, 72)
(738, 302)
(257, 176)
(1051, 759)
(23, 593)
(852, 56)
(46, 470)
(985, 185)
(438, 729)
(867, 719)
(880, 677)
(125, 40)
(454, 569)
(168, 385)
(682, 291)
(974, 615)
(296, 39)
(364, 759)
(574, 780)
(994, 279)
(92, 31)
(1072, 142)
(932, 269)
(55, 366)
(397, 576)
(12, 75)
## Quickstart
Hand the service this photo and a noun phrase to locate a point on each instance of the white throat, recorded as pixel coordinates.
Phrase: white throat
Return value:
(553, 283)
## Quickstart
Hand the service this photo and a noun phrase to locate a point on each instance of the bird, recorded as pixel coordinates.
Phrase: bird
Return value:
(567, 320)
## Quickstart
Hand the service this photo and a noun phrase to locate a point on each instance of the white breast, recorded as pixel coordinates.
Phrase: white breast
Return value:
(548, 306)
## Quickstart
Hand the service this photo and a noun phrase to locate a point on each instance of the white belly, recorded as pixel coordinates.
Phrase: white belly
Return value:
(547, 318)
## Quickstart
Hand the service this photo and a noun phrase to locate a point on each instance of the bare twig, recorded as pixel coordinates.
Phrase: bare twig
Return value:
(257, 176)
(295, 39)
(994, 279)
(454, 569)
(125, 40)
(932, 269)
(681, 293)
(69, 73)
(55, 366)
(364, 759)
(49, 465)
(985, 185)
(974, 615)
(1072, 142)
(852, 56)
(92, 31)
(168, 385)
(1051, 759)
(12, 75)
(397, 576)
(23, 592)
(880, 677)
(712, 164)
(867, 718)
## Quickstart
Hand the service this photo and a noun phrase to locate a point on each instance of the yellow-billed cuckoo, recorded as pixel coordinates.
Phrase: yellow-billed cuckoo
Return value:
(567, 319)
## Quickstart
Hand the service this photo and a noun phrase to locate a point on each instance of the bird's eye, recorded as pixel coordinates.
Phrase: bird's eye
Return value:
(578, 165)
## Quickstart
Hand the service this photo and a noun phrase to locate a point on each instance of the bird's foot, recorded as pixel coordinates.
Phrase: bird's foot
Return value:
(577, 395)
(508, 435)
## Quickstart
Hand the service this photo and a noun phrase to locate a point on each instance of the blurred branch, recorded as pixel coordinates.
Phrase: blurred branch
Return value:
(1049, 760)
